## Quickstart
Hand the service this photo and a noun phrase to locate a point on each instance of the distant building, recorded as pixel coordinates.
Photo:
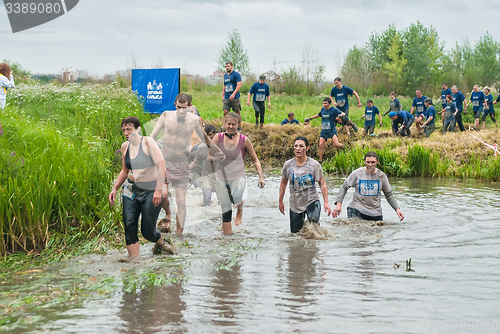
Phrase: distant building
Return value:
(217, 78)
(69, 75)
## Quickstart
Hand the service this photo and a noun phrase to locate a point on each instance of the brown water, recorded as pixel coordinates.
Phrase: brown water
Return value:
(262, 279)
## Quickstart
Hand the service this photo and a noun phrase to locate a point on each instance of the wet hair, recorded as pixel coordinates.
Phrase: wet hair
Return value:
(235, 116)
(392, 93)
(337, 79)
(328, 100)
(290, 114)
(371, 154)
(228, 62)
(131, 120)
(190, 99)
(182, 98)
(209, 128)
(429, 100)
(449, 97)
(4, 69)
(369, 101)
(304, 139)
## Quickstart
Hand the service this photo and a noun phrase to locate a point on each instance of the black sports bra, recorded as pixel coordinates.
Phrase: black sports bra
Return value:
(141, 161)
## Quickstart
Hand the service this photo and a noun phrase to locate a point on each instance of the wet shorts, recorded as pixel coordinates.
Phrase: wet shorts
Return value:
(234, 104)
(177, 173)
(313, 211)
(353, 213)
(328, 134)
(230, 192)
(477, 113)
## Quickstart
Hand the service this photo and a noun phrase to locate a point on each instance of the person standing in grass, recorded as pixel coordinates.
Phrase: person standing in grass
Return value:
(6, 81)
(458, 99)
(369, 116)
(450, 112)
(260, 91)
(142, 174)
(418, 106)
(489, 109)
(368, 183)
(429, 125)
(230, 179)
(290, 119)
(303, 172)
(401, 122)
(177, 129)
(341, 94)
(328, 116)
(395, 105)
(444, 91)
(231, 90)
(477, 101)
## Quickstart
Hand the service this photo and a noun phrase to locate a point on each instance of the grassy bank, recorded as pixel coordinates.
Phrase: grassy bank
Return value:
(59, 157)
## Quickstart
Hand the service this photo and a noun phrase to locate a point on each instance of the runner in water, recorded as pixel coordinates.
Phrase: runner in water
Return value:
(303, 172)
(368, 182)
(142, 174)
(230, 178)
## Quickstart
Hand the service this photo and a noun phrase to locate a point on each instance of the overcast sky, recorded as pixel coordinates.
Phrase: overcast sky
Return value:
(101, 36)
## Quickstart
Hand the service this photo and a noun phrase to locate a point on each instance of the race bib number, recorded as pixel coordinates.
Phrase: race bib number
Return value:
(325, 125)
(475, 103)
(447, 112)
(420, 109)
(229, 88)
(443, 100)
(301, 183)
(369, 187)
(260, 97)
(341, 103)
(369, 117)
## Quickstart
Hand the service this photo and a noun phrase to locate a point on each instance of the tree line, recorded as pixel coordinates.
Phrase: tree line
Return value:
(404, 60)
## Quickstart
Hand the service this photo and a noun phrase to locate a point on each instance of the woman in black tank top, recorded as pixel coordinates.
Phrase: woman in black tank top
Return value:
(142, 193)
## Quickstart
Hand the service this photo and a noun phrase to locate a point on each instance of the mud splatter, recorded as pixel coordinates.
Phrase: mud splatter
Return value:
(357, 222)
(316, 232)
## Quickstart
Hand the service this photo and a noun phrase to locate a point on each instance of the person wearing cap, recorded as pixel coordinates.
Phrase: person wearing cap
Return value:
(429, 125)
(401, 122)
(419, 107)
(260, 91)
(458, 99)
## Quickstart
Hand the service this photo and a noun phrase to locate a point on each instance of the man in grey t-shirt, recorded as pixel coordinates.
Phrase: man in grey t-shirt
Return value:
(368, 182)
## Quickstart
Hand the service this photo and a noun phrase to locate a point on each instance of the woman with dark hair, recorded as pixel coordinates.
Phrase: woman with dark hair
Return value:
(450, 112)
(368, 182)
(303, 173)
(6, 81)
(230, 178)
(142, 176)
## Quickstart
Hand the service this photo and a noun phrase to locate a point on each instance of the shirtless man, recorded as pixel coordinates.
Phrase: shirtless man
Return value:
(177, 129)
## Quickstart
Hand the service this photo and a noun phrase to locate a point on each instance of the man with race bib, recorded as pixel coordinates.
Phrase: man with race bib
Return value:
(231, 90)
(340, 94)
(419, 105)
(260, 91)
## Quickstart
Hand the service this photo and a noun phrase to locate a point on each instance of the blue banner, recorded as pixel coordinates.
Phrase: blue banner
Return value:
(157, 87)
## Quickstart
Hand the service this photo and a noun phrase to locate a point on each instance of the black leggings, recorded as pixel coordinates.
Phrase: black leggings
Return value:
(492, 115)
(141, 204)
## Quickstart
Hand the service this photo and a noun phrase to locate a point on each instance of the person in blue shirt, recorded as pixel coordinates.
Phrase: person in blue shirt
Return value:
(458, 99)
(340, 94)
(290, 120)
(444, 91)
(450, 112)
(260, 91)
(231, 90)
(369, 116)
(429, 125)
(477, 100)
(395, 105)
(418, 106)
(328, 116)
(401, 122)
(489, 109)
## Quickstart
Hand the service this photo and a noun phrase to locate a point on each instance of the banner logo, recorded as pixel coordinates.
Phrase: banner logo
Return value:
(26, 14)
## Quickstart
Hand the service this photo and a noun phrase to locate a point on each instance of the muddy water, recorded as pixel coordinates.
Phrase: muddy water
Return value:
(262, 279)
